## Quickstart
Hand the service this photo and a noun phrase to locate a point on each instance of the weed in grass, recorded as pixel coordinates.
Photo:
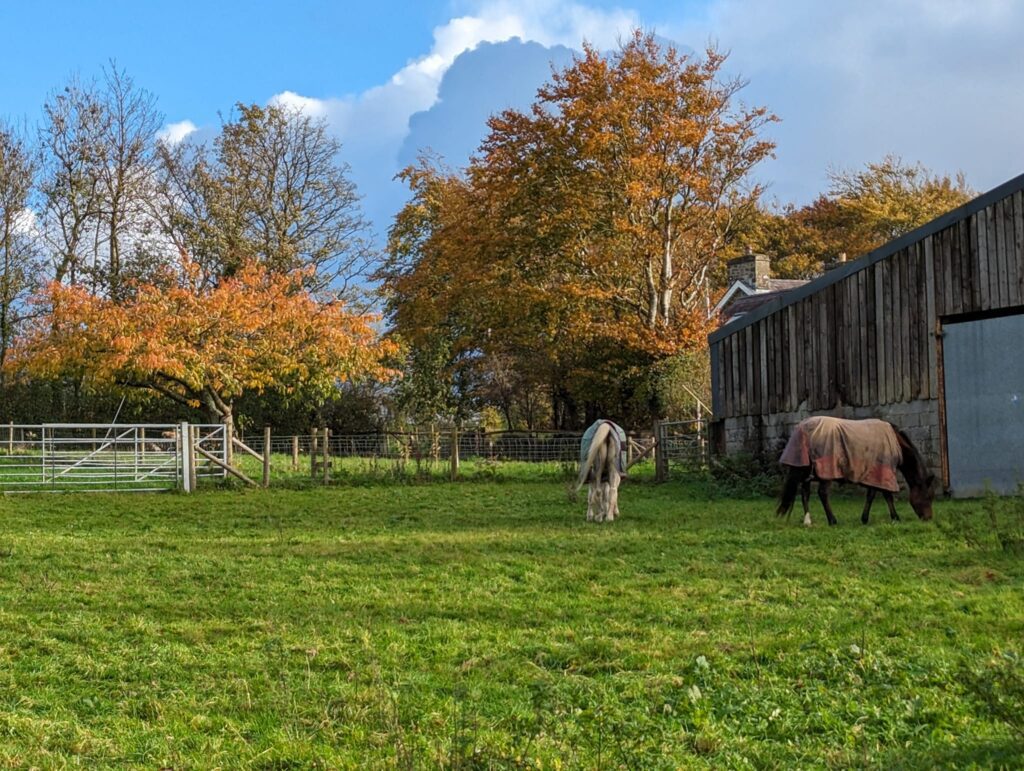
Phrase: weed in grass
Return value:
(997, 685)
(990, 522)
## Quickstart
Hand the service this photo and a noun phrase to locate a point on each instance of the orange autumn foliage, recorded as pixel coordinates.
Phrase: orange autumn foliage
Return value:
(582, 237)
(200, 345)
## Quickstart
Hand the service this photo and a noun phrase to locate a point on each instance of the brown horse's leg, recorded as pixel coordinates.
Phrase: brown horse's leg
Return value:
(823, 487)
(892, 505)
(805, 497)
(867, 504)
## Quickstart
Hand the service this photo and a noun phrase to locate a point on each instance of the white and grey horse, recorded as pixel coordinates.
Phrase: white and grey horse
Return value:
(602, 465)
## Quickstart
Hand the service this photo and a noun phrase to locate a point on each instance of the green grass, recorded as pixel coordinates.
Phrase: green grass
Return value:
(485, 624)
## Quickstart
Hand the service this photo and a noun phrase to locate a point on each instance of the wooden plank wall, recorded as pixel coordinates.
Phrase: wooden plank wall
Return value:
(869, 338)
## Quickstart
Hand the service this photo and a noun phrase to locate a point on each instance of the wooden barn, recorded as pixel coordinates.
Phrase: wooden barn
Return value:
(926, 332)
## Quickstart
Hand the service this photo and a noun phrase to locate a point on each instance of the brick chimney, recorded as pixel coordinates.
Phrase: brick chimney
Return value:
(839, 261)
(754, 270)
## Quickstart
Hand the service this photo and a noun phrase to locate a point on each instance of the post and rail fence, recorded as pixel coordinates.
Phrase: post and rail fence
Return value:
(179, 456)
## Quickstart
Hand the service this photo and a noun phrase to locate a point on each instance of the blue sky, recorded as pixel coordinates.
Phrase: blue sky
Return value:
(940, 81)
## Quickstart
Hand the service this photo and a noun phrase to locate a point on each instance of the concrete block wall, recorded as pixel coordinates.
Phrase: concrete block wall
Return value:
(768, 434)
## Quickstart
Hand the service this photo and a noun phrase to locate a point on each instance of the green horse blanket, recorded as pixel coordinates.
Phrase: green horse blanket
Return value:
(588, 438)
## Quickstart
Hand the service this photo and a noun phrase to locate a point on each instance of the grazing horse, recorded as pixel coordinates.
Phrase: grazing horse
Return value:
(866, 452)
(602, 464)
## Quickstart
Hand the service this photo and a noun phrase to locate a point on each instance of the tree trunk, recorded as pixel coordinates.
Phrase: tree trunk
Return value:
(666, 267)
(652, 296)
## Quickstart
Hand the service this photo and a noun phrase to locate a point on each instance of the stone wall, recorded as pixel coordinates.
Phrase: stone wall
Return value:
(768, 433)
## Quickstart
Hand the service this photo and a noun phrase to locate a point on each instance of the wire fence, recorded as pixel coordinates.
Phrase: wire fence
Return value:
(152, 457)
(526, 447)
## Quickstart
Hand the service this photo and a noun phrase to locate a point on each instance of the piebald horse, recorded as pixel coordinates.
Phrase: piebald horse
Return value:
(601, 465)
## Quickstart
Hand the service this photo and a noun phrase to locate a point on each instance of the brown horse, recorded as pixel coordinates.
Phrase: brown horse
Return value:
(866, 452)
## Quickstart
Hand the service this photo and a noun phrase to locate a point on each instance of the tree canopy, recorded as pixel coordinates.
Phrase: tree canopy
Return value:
(581, 238)
(862, 210)
(203, 346)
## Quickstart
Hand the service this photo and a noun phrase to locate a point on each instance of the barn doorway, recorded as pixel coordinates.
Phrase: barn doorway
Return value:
(983, 367)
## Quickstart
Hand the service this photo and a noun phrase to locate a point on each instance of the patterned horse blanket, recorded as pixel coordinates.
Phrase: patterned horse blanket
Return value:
(588, 437)
(862, 451)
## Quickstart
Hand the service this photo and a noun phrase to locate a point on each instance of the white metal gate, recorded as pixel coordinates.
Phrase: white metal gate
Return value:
(685, 443)
(138, 457)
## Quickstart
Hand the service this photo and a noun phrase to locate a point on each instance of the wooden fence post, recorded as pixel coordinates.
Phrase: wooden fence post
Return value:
(186, 459)
(295, 453)
(266, 456)
(455, 455)
(229, 443)
(660, 455)
(10, 438)
(191, 450)
(327, 455)
(701, 440)
(314, 446)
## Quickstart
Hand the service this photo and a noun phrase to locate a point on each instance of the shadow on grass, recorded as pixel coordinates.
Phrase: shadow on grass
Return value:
(995, 753)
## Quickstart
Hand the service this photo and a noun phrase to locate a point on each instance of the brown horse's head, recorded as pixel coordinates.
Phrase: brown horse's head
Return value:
(920, 482)
(921, 497)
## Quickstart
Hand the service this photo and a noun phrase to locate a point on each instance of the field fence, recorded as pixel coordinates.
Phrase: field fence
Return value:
(151, 457)
(526, 447)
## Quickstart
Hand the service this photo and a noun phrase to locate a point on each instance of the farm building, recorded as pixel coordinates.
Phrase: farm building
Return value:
(926, 332)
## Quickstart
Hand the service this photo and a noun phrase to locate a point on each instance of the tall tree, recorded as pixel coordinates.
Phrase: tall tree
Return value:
(18, 272)
(71, 140)
(645, 161)
(580, 239)
(127, 174)
(98, 178)
(272, 188)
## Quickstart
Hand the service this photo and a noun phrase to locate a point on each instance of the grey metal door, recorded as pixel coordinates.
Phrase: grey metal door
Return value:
(983, 364)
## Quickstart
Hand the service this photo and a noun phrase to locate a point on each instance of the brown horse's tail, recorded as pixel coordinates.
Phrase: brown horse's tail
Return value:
(789, 490)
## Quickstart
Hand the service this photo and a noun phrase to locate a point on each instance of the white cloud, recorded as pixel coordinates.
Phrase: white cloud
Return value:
(173, 133)
(372, 125)
(931, 80)
(292, 101)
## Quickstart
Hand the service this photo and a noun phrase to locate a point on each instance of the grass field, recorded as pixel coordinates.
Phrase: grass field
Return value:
(484, 624)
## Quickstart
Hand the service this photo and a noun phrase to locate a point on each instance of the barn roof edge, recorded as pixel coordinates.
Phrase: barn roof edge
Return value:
(886, 250)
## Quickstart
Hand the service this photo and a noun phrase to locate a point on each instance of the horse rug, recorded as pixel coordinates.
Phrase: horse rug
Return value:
(588, 438)
(862, 451)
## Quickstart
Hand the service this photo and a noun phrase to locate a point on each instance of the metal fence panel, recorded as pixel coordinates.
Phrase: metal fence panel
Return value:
(58, 457)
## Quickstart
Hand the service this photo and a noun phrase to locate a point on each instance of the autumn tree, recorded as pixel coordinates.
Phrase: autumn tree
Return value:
(861, 211)
(581, 237)
(887, 199)
(272, 188)
(202, 346)
(634, 169)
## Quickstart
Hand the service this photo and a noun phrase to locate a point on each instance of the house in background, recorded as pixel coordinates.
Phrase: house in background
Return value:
(750, 286)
